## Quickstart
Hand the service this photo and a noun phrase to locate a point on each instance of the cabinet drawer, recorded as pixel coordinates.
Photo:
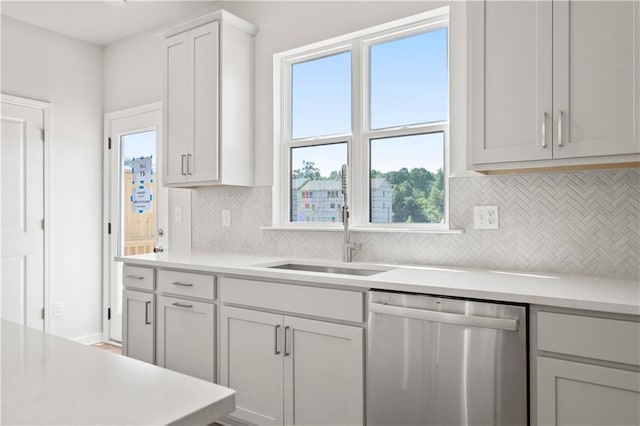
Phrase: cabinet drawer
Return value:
(137, 277)
(187, 284)
(598, 338)
(298, 299)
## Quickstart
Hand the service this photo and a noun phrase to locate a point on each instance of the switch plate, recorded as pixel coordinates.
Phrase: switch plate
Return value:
(226, 218)
(58, 309)
(485, 217)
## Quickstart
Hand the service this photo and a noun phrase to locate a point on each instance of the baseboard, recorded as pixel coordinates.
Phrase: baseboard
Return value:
(88, 339)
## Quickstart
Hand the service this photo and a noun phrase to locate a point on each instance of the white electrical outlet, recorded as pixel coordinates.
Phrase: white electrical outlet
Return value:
(226, 218)
(485, 217)
(58, 309)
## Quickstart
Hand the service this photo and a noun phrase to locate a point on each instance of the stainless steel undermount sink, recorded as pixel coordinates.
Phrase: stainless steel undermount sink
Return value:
(329, 269)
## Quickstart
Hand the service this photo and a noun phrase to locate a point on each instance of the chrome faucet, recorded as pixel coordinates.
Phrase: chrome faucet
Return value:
(349, 247)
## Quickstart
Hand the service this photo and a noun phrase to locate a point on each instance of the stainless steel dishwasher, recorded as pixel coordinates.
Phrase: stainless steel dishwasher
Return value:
(445, 361)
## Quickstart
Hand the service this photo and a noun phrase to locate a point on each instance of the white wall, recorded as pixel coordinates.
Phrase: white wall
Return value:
(44, 65)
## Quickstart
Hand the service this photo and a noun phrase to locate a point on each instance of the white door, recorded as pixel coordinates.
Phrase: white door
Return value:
(251, 350)
(138, 333)
(137, 214)
(23, 136)
(596, 71)
(323, 373)
(186, 337)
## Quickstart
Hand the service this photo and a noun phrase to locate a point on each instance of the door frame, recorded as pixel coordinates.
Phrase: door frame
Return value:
(45, 107)
(106, 205)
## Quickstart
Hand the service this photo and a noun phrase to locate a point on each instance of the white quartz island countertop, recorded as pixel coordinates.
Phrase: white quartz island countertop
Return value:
(48, 380)
(551, 289)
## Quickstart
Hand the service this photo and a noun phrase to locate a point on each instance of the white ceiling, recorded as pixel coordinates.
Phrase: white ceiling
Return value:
(103, 21)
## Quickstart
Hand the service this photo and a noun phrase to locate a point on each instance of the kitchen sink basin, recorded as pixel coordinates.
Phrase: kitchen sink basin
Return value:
(329, 269)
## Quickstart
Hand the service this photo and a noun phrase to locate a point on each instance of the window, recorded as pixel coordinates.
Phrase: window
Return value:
(377, 100)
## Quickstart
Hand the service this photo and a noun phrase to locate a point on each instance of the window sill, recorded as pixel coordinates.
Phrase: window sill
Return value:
(363, 229)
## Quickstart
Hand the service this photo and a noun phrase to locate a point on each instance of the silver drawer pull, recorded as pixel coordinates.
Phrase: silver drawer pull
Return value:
(276, 351)
(182, 305)
(182, 284)
(135, 277)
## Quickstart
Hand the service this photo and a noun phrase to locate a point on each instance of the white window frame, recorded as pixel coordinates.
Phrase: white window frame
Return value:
(358, 140)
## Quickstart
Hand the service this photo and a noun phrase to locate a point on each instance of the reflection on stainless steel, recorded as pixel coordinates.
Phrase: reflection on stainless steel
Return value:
(329, 269)
(442, 361)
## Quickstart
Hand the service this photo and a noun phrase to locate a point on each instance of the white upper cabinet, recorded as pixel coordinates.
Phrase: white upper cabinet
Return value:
(554, 83)
(208, 102)
(511, 81)
(596, 80)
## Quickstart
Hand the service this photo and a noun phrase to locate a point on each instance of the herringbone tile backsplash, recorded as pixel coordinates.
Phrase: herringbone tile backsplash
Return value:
(579, 222)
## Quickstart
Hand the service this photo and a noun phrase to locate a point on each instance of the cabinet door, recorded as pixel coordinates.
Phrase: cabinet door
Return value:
(177, 111)
(138, 325)
(323, 373)
(572, 393)
(251, 363)
(596, 78)
(511, 81)
(203, 161)
(186, 337)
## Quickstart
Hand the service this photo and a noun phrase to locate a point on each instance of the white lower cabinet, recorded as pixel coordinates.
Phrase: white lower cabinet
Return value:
(323, 373)
(587, 368)
(575, 393)
(292, 371)
(186, 337)
(138, 325)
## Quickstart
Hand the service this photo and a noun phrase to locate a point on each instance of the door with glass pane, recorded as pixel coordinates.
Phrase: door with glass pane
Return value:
(137, 212)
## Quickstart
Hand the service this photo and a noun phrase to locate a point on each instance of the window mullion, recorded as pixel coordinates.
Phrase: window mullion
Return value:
(359, 161)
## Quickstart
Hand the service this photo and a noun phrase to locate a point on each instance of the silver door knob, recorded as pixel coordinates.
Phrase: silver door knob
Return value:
(158, 249)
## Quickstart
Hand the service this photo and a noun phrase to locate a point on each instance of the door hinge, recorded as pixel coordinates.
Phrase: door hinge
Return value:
(109, 141)
(44, 132)
(108, 313)
(42, 313)
(42, 224)
(109, 228)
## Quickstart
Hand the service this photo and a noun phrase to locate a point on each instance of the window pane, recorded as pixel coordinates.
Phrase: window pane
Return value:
(407, 179)
(316, 179)
(408, 80)
(321, 96)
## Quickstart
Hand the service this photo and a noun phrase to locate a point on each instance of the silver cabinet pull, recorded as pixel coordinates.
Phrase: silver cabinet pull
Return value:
(560, 114)
(147, 305)
(182, 165)
(286, 351)
(182, 284)
(544, 130)
(182, 305)
(135, 277)
(189, 164)
(276, 351)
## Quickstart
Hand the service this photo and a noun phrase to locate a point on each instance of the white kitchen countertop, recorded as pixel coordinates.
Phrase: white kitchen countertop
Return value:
(559, 290)
(49, 380)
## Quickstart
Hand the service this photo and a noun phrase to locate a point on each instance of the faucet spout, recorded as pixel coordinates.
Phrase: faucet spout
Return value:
(349, 247)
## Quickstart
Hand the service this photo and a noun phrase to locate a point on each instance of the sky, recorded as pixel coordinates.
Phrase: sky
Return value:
(140, 144)
(408, 85)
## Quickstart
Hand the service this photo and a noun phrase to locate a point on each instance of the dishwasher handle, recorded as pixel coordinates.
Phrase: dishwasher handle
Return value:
(446, 317)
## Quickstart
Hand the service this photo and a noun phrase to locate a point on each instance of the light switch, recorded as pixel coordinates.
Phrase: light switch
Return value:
(226, 218)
